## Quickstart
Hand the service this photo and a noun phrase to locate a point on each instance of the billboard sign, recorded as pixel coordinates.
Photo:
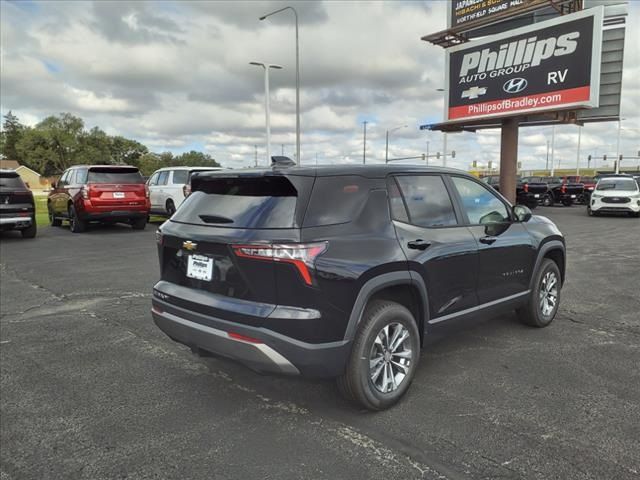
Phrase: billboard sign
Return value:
(551, 65)
(481, 12)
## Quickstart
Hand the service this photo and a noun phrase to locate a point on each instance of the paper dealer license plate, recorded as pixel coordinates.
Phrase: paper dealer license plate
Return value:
(573, 196)
(118, 194)
(536, 195)
(200, 267)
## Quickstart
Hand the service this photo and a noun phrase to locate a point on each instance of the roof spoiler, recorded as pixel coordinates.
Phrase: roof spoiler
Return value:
(278, 161)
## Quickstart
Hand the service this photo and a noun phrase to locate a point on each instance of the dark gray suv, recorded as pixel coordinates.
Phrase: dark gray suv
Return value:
(342, 271)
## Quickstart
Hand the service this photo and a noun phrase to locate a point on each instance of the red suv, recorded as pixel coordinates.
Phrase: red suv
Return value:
(99, 193)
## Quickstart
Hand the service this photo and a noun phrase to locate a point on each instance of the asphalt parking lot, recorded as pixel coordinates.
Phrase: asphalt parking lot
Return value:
(90, 388)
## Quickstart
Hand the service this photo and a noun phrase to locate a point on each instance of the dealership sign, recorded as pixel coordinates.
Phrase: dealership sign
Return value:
(481, 12)
(549, 65)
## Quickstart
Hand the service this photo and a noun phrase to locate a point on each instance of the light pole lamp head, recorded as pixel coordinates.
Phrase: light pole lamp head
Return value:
(257, 64)
(277, 67)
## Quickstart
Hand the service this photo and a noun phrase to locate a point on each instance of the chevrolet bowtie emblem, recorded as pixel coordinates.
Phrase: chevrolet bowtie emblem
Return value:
(474, 92)
(189, 245)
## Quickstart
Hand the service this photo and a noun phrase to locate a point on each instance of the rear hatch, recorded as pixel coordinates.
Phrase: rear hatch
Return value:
(534, 185)
(225, 238)
(15, 198)
(116, 188)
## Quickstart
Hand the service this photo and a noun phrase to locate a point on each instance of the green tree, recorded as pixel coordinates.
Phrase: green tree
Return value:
(126, 151)
(12, 131)
(53, 145)
(195, 159)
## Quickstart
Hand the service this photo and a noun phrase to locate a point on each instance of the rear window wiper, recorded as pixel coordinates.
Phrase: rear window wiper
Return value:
(215, 219)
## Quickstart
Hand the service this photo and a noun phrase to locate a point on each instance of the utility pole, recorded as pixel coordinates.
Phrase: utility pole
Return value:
(578, 154)
(282, 152)
(364, 146)
(553, 149)
(444, 155)
(256, 154)
(618, 147)
(427, 153)
(546, 166)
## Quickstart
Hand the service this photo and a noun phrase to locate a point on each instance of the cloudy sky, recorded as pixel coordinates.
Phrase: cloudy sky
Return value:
(176, 76)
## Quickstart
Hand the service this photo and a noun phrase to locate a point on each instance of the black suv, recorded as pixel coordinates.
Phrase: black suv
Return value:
(341, 271)
(17, 207)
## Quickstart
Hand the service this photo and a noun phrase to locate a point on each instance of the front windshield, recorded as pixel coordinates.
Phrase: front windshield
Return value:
(617, 184)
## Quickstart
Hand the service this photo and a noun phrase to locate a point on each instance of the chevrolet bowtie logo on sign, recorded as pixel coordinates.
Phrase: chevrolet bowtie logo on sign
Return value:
(474, 92)
(546, 66)
(515, 85)
(189, 245)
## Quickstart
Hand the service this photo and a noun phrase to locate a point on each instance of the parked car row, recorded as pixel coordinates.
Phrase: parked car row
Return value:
(547, 191)
(115, 193)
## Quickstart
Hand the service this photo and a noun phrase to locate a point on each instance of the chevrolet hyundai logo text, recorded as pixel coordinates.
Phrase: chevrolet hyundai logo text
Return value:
(515, 85)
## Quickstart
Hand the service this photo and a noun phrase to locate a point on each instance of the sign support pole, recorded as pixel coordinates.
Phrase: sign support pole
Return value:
(509, 158)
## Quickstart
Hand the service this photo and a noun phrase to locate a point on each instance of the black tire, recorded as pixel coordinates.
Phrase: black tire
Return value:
(356, 383)
(76, 225)
(589, 211)
(170, 207)
(31, 231)
(533, 313)
(567, 203)
(139, 223)
(533, 205)
(547, 201)
(634, 214)
(53, 221)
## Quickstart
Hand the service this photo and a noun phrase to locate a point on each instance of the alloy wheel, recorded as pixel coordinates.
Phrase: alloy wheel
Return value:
(390, 358)
(548, 293)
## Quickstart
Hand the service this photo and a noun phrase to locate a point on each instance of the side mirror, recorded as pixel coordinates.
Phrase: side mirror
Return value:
(522, 213)
(54, 185)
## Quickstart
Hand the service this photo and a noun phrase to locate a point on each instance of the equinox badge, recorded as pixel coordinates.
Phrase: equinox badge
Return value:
(189, 245)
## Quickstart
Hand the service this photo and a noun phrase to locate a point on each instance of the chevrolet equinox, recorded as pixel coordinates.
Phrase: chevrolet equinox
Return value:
(341, 271)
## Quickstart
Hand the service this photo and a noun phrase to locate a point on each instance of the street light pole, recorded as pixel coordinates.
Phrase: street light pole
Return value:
(618, 146)
(364, 145)
(386, 150)
(553, 149)
(578, 154)
(267, 108)
(295, 13)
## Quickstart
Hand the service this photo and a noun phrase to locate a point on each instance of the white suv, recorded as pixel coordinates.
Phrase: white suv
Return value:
(615, 194)
(169, 186)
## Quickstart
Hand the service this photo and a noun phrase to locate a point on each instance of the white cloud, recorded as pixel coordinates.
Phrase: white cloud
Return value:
(175, 74)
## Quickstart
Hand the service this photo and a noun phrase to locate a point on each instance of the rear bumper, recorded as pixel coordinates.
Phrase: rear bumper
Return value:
(530, 198)
(114, 215)
(263, 351)
(12, 222)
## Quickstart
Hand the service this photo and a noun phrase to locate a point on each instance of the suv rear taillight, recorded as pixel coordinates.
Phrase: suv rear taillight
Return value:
(525, 187)
(186, 190)
(146, 191)
(84, 191)
(301, 255)
(563, 188)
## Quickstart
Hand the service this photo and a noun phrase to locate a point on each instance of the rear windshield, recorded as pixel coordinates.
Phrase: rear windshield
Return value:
(241, 202)
(617, 184)
(336, 200)
(114, 175)
(11, 181)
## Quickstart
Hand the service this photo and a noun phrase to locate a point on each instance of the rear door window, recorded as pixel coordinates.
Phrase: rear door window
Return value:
(163, 177)
(81, 176)
(427, 200)
(337, 199)
(241, 202)
(180, 177)
(114, 175)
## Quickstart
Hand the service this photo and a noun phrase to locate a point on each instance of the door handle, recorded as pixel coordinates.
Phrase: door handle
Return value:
(488, 240)
(418, 244)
